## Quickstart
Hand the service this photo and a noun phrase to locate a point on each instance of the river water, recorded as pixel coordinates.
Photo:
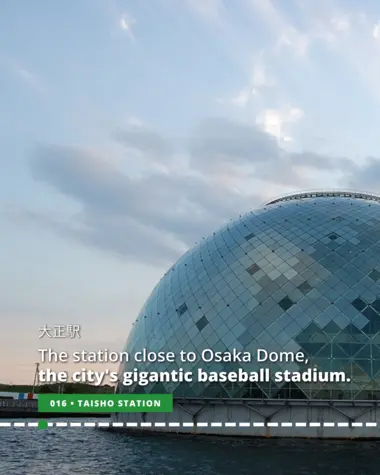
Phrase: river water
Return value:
(90, 451)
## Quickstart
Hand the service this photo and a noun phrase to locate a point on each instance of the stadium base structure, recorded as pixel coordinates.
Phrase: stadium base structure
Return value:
(335, 419)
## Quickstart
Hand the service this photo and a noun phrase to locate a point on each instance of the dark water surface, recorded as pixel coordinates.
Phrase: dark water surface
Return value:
(90, 451)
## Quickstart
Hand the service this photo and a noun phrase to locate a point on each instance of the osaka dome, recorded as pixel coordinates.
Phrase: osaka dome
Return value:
(300, 274)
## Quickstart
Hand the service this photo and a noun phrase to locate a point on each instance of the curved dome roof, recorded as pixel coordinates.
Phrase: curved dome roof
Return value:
(300, 274)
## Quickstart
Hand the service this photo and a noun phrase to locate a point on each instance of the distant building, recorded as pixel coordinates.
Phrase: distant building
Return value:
(19, 396)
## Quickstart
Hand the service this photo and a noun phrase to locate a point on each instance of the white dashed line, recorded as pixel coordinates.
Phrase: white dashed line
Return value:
(188, 424)
(89, 424)
(103, 424)
(118, 424)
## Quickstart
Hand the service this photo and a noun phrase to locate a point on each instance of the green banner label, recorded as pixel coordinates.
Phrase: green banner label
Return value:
(105, 403)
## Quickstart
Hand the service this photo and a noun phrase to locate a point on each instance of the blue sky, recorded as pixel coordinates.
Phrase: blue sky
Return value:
(130, 129)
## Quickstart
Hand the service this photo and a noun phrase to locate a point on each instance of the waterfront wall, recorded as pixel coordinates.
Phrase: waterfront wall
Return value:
(268, 418)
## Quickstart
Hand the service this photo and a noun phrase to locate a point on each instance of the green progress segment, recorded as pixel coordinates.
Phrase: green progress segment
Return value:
(108, 403)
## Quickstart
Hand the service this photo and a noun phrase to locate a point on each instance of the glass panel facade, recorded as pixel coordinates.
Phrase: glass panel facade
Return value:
(300, 274)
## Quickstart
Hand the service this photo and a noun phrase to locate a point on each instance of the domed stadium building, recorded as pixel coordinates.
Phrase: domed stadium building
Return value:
(301, 274)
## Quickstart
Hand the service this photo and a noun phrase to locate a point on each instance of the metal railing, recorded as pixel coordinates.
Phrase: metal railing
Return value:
(16, 404)
(318, 194)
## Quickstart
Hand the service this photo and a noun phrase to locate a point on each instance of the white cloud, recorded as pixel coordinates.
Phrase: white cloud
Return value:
(341, 24)
(284, 32)
(324, 22)
(119, 18)
(296, 41)
(376, 31)
(259, 81)
(352, 34)
(346, 31)
(126, 23)
(242, 98)
(331, 26)
(278, 122)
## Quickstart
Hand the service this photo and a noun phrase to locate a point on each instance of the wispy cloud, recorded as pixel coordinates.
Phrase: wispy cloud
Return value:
(121, 20)
(19, 70)
(259, 81)
(353, 37)
(127, 23)
(376, 31)
(285, 34)
(298, 38)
